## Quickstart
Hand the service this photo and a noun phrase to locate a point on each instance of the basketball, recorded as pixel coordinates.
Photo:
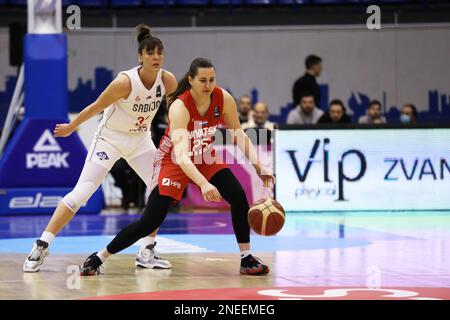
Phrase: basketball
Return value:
(266, 217)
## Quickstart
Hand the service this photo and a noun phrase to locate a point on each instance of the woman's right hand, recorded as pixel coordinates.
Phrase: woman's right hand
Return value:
(63, 130)
(210, 193)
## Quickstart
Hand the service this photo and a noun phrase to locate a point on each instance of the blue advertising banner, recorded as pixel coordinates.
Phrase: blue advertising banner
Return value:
(34, 158)
(42, 201)
(363, 169)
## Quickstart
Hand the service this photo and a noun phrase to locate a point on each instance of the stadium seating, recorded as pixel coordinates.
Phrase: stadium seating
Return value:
(91, 3)
(291, 2)
(260, 2)
(193, 2)
(150, 3)
(227, 2)
(18, 2)
(126, 3)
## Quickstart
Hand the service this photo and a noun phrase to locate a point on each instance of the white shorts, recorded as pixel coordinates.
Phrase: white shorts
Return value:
(108, 146)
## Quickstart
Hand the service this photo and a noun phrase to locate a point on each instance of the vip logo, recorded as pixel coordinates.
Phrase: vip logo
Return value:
(47, 153)
(102, 155)
(158, 91)
(302, 175)
(216, 112)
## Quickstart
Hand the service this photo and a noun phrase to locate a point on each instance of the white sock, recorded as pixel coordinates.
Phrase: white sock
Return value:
(47, 237)
(103, 255)
(245, 253)
(146, 241)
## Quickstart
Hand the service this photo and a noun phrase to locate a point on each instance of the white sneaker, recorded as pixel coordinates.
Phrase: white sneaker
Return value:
(148, 259)
(36, 258)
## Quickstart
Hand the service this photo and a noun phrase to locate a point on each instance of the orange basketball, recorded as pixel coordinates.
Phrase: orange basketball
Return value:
(266, 217)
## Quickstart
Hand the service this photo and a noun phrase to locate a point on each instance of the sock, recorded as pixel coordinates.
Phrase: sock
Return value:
(146, 241)
(103, 255)
(47, 237)
(245, 253)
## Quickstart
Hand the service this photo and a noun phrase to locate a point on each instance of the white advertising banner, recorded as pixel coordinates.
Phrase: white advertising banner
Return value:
(363, 169)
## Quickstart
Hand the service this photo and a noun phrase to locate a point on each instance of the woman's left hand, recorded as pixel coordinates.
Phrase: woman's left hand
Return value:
(267, 178)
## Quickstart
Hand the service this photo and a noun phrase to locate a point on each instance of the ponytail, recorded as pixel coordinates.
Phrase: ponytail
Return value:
(183, 85)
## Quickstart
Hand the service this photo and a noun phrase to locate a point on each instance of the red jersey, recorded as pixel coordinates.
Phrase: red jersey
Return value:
(167, 174)
(200, 129)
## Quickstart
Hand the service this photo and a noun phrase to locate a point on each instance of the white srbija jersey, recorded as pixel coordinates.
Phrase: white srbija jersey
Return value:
(135, 113)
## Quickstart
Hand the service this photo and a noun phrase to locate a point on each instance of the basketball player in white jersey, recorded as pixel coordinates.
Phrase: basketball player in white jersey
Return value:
(129, 102)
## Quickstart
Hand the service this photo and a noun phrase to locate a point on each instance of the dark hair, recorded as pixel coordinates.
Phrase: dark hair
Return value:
(146, 40)
(337, 102)
(245, 96)
(184, 84)
(413, 108)
(312, 60)
(306, 94)
(374, 102)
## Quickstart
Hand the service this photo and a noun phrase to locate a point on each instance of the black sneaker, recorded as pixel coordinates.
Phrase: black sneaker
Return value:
(91, 266)
(253, 266)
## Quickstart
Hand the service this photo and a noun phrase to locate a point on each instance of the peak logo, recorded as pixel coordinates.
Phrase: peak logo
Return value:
(47, 153)
(302, 175)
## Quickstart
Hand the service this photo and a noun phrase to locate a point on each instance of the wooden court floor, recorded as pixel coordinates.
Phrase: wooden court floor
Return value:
(373, 256)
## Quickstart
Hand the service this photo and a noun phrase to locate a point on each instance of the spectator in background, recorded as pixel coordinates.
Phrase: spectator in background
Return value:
(245, 109)
(260, 118)
(336, 113)
(373, 115)
(408, 114)
(306, 112)
(308, 82)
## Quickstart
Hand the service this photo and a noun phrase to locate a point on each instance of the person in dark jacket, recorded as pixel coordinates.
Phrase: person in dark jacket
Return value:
(308, 83)
(336, 113)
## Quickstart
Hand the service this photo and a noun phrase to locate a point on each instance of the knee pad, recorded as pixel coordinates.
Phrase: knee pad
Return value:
(79, 195)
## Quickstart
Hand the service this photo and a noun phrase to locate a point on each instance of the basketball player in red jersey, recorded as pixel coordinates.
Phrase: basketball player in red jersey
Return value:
(186, 155)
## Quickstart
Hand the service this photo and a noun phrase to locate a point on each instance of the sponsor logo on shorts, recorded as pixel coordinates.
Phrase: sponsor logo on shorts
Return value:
(102, 155)
(170, 183)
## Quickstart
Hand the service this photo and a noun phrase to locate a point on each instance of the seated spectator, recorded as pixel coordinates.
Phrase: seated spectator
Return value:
(260, 118)
(306, 112)
(408, 114)
(373, 115)
(336, 113)
(245, 109)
